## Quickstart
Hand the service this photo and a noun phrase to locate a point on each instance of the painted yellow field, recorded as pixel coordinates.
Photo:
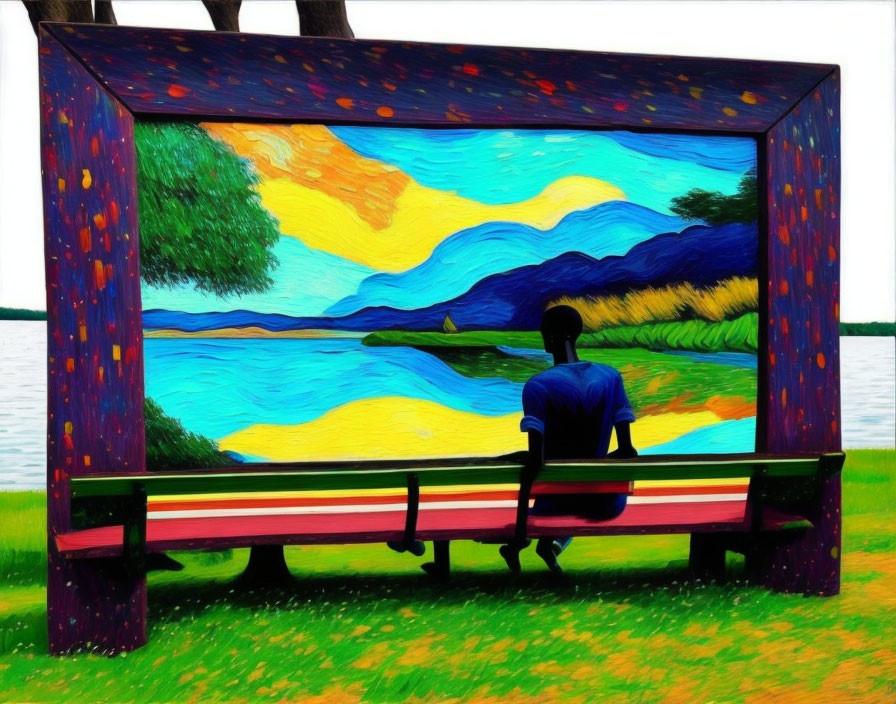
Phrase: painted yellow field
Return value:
(405, 428)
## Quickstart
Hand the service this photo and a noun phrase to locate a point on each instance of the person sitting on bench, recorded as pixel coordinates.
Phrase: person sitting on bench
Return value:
(570, 411)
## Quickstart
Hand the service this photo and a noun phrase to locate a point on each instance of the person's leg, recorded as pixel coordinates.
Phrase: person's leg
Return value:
(544, 505)
(606, 506)
(560, 544)
(548, 549)
(600, 507)
(511, 555)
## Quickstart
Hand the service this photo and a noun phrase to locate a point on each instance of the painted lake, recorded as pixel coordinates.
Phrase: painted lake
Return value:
(244, 375)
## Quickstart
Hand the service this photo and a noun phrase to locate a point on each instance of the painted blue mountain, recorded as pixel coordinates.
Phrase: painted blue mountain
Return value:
(514, 300)
(473, 254)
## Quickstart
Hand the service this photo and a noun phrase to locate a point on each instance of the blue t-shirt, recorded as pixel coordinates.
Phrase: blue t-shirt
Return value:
(575, 406)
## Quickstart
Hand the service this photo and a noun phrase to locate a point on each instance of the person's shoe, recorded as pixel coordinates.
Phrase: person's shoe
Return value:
(417, 548)
(511, 557)
(548, 551)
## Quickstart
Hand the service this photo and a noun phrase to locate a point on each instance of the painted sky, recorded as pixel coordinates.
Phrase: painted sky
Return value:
(403, 217)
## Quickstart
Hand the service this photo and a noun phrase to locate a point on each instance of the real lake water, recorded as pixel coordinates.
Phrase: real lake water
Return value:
(867, 364)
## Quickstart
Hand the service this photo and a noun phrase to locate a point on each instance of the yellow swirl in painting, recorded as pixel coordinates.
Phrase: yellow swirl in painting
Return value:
(405, 428)
(423, 217)
(335, 200)
(313, 156)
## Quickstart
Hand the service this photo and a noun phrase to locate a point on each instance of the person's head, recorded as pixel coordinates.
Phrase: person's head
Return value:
(559, 325)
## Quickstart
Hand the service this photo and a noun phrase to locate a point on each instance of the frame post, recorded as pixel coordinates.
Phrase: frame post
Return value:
(94, 341)
(807, 562)
(802, 391)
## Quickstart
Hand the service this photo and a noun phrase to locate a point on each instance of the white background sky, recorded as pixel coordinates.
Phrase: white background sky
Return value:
(859, 36)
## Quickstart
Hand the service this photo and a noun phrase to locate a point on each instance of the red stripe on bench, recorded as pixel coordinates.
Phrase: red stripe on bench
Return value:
(398, 497)
(666, 518)
(223, 532)
(689, 490)
(580, 488)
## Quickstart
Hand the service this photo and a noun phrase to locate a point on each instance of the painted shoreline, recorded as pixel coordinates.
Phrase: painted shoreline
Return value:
(874, 329)
(255, 332)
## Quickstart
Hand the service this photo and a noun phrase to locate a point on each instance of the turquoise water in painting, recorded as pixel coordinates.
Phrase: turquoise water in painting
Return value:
(727, 436)
(218, 386)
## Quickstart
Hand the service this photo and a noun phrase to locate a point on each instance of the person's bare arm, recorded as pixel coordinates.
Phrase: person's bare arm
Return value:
(536, 448)
(624, 448)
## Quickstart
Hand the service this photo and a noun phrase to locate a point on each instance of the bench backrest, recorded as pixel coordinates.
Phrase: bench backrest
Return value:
(362, 477)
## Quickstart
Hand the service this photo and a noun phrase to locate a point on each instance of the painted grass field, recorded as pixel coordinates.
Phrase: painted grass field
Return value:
(364, 624)
(654, 382)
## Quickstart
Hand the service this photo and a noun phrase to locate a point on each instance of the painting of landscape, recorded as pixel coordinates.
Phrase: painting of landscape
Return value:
(334, 293)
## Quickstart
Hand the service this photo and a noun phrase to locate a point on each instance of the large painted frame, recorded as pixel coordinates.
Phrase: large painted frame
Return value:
(96, 80)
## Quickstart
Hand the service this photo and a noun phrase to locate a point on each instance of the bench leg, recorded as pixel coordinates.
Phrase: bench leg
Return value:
(807, 562)
(441, 568)
(707, 556)
(94, 605)
(266, 567)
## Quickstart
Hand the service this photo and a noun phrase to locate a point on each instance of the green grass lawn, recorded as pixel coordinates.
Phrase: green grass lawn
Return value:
(364, 624)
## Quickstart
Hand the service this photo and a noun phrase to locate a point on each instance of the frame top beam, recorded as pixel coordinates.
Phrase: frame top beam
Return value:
(227, 76)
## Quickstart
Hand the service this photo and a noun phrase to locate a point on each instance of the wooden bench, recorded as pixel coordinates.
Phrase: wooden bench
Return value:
(731, 502)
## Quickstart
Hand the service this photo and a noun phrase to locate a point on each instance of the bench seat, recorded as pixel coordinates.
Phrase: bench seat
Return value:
(440, 524)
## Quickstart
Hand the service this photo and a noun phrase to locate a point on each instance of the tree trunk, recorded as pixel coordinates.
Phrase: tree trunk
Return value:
(323, 18)
(58, 11)
(103, 12)
(225, 14)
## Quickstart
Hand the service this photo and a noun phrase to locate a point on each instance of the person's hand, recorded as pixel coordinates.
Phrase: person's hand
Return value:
(623, 453)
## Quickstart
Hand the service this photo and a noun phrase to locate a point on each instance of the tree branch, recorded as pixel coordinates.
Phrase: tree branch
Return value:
(323, 18)
(58, 11)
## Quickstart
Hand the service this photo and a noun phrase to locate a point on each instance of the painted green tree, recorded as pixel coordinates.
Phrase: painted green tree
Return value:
(716, 208)
(201, 223)
(201, 219)
(170, 446)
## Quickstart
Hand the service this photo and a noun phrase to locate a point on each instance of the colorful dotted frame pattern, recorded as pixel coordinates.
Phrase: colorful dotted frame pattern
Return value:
(94, 332)
(803, 352)
(223, 75)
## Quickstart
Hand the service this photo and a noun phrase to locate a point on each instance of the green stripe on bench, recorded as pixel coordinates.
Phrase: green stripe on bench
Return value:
(357, 477)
